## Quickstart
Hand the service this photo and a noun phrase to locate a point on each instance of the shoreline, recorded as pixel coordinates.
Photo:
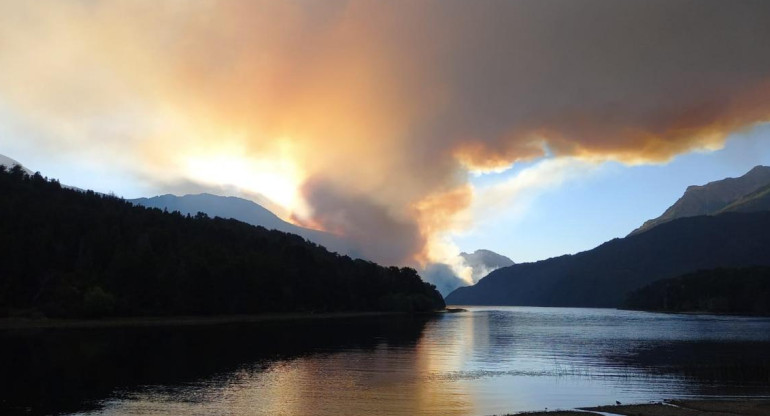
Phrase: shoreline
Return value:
(157, 321)
(684, 407)
(731, 314)
(666, 312)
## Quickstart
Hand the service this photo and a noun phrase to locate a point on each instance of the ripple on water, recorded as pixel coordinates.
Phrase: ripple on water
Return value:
(484, 361)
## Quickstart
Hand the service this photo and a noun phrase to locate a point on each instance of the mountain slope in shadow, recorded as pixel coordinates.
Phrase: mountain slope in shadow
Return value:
(712, 198)
(603, 276)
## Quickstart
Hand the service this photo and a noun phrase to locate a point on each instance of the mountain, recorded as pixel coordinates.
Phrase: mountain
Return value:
(66, 253)
(227, 207)
(712, 198)
(603, 276)
(482, 262)
(245, 211)
(9, 163)
(217, 206)
(758, 200)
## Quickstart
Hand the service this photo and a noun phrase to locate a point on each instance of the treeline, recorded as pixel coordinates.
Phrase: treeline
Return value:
(66, 253)
(722, 290)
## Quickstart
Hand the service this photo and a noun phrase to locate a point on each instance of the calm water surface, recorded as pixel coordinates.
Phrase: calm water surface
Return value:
(485, 361)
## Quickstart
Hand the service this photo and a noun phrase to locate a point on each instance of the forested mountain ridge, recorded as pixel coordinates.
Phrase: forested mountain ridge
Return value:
(246, 211)
(602, 277)
(66, 253)
(481, 262)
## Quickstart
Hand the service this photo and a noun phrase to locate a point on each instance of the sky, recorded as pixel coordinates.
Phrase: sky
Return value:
(416, 129)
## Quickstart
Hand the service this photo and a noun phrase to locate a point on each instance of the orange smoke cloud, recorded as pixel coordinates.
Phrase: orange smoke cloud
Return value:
(438, 213)
(376, 111)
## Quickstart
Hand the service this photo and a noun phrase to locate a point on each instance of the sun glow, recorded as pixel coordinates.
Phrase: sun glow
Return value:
(276, 178)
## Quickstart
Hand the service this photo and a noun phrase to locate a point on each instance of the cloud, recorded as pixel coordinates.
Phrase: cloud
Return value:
(463, 269)
(385, 105)
(513, 196)
(378, 233)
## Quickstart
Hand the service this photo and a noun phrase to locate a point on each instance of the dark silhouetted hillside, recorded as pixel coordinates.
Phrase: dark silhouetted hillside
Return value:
(72, 254)
(10, 163)
(246, 211)
(734, 291)
(603, 276)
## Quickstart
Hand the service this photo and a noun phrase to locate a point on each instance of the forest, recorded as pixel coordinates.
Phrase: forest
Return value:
(723, 290)
(80, 254)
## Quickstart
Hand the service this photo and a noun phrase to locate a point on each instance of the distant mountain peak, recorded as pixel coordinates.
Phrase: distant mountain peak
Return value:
(713, 198)
(758, 169)
(488, 255)
(482, 262)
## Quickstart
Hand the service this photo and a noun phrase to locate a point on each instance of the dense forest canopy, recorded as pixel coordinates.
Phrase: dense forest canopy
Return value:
(66, 253)
(722, 290)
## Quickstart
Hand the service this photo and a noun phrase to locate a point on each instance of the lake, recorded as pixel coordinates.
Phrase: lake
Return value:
(489, 360)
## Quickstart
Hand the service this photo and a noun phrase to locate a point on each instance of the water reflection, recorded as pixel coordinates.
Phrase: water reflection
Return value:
(486, 361)
(66, 370)
(384, 379)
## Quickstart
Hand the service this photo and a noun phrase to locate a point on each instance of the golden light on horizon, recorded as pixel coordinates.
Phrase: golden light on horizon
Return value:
(277, 178)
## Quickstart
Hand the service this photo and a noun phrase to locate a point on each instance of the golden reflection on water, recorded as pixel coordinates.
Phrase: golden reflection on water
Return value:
(386, 381)
(475, 363)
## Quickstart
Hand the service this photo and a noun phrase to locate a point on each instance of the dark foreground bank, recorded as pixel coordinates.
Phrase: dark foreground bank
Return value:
(746, 407)
(71, 254)
(736, 291)
(157, 321)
